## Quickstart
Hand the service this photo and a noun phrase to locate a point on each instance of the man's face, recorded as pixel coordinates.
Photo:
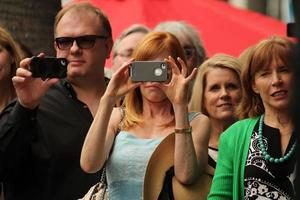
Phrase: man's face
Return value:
(88, 52)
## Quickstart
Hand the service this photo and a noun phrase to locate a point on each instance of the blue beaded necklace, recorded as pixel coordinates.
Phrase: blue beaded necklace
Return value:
(264, 150)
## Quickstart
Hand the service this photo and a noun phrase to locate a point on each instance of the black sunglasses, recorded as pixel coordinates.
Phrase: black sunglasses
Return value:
(83, 42)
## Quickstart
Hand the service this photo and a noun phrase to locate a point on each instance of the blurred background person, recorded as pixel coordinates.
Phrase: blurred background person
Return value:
(216, 93)
(257, 154)
(189, 39)
(126, 43)
(9, 61)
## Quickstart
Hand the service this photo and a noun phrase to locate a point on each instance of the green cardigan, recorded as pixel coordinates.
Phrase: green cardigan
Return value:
(228, 181)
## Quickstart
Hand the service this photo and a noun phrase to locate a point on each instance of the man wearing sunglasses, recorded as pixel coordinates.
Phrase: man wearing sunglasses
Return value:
(42, 132)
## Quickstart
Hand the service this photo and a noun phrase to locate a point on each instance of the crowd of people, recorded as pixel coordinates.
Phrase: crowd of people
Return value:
(230, 116)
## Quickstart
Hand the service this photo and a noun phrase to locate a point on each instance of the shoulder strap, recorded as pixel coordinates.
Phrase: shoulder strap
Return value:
(121, 124)
(192, 115)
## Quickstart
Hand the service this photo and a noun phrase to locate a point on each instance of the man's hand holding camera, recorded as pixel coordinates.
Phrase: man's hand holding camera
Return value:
(30, 90)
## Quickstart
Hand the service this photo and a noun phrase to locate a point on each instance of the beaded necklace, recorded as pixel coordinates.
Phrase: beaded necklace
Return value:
(264, 149)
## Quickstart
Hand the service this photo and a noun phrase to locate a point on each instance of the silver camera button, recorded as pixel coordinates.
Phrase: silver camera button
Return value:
(158, 72)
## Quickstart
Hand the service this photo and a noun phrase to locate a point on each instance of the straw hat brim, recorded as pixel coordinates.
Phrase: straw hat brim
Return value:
(160, 161)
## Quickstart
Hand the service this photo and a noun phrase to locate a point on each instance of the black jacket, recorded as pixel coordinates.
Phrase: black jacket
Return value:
(40, 149)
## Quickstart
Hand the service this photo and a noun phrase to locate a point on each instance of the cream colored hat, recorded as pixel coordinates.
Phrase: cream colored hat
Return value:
(160, 161)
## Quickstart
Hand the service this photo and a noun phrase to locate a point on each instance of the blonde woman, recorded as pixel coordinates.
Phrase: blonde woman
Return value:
(216, 93)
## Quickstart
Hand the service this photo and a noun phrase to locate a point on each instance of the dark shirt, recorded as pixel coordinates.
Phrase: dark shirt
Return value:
(265, 180)
(40, 149)
(211, 160)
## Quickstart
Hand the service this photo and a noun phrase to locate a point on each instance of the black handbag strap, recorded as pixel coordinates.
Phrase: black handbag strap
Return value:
(103, 175)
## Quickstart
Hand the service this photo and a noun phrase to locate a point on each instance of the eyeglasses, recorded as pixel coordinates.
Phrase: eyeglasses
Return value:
(125, 54)
(189, 52)
(83, 42)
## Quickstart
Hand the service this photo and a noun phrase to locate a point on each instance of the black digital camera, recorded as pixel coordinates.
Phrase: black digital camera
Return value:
(48, 67)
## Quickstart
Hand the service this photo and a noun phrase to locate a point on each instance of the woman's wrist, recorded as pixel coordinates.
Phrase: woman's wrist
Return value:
(181, 117)
(180, 106)
(108, 100)
(180, 110)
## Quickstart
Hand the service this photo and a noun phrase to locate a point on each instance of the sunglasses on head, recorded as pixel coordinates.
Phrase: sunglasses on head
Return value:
(83, 42)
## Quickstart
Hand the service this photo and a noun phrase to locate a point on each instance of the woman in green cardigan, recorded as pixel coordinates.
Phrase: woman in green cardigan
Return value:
(257, 154)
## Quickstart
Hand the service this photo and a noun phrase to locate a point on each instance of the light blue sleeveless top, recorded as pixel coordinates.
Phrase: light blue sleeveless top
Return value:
(126, 166)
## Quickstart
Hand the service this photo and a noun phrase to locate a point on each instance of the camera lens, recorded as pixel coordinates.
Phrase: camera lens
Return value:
(63, 62)
(158, 72)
